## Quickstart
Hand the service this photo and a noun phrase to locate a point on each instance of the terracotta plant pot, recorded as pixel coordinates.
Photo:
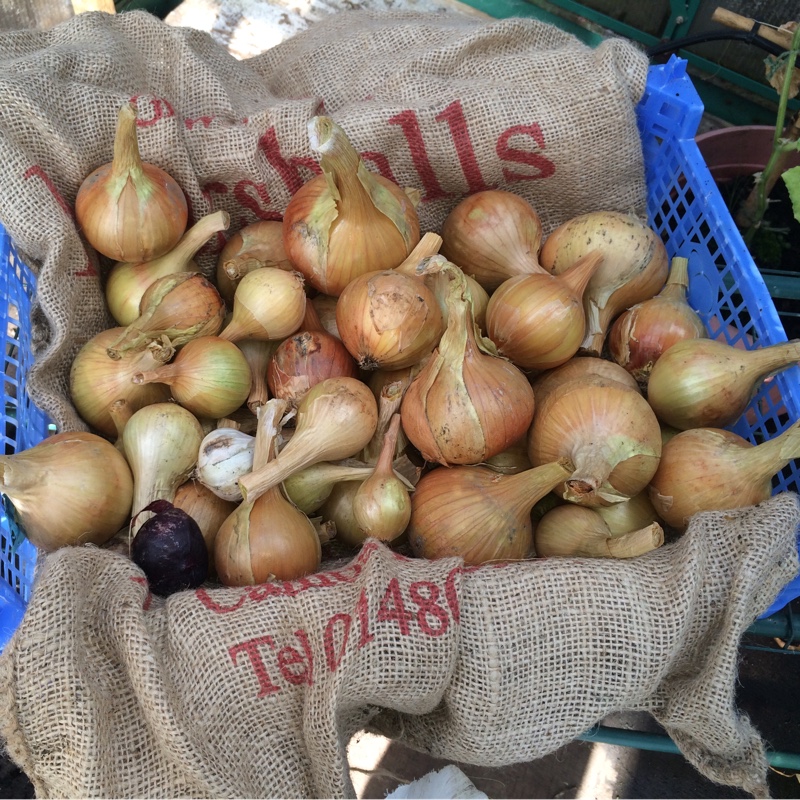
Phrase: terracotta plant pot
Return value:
(739, 150)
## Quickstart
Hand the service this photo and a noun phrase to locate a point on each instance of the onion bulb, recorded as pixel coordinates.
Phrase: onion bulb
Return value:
(608, 431)
(161, 442)
(70, 489)
(630, 515)
(635, 266)
(493, 235)
(181, 307)
(130, 210)
(97, 381)
(453, 412)
(338, 509)
(538, 320)
(266, 538)
(305, 359)
(206, 509)
(641, 334)
(572, 530)
(269, 303)
(705, 383)
(335, 420)
(210, 377)
(325, 307)
(127, 281)
(477, 514)
(257, 245)
(711, 469)
(310, 488)
(381, 504)
(348, 220)
(388, 320)
(585, 368)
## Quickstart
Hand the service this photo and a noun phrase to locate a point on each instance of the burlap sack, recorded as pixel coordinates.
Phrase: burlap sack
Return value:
(445, 103)
(106, 691)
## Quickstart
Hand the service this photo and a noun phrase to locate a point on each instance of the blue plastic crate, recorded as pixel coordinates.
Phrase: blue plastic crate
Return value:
(684, 206)
(24, 425)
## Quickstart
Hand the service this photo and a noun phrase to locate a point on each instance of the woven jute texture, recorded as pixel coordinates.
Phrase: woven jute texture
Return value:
(447, 104)
(106, 691)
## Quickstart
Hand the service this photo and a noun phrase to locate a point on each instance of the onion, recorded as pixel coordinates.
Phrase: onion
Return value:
(630, 515)
(206, 509)
(512, 460)
(325, 307)
(710, 469)
(335, 420)
(453, 412)
(608, 431)
(257, 245)
(181, 307)
(161, 442)
(478, 515)
(338, 509)
(70, 489)
(581, 368)
(129, 210)
(381, 505)
(305, 359)
(388, 320)
(169, 548)
(311, 487)
(210, 377)
(127, 282)
(538, 320)
(266, 537)
(635, 266)
(389, 401)
(704, 383)
(641, 334)
(493, 235)
(346, 221)
(572, 530)
(269, 303)
(97, 381)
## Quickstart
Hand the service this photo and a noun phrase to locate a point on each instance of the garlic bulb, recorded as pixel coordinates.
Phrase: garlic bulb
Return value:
(224, 456)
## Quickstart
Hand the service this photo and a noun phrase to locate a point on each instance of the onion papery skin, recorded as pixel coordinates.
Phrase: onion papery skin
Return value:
(466, 405)
(265, 541)
(335, 420)
(127, 283)
(630, 515)
(586, 368)
(266, 538)
(181, 306)
(711, 469)
(269, 303)
(206, 509)
(96, 380)
(493, 235)
(609, 432)
(257, 245)
(635, 266)
(70, 489)
(704, 383)
(348, 220)
(538, 320)
(303, 360)
(640, 335)
(388, 320)
(130, 210)
(209, 377)
(476, 514)
(578, 532)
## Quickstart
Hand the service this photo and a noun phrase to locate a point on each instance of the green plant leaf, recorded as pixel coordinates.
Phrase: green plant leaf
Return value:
(792, 180)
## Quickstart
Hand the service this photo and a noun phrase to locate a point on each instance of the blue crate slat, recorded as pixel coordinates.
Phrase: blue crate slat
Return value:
(684, 206)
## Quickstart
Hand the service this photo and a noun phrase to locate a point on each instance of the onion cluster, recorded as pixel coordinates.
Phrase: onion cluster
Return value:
(490, 393)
